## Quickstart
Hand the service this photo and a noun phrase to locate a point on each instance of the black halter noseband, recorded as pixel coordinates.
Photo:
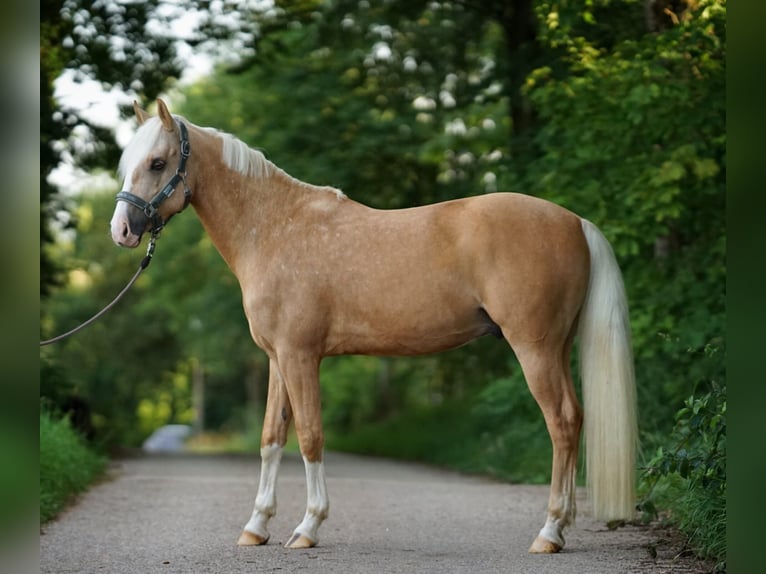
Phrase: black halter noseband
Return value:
(151, 208)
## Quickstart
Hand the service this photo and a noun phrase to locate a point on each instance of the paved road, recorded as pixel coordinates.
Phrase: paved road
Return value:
(183, 514)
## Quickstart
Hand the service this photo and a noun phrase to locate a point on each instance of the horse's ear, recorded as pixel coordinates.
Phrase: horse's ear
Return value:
(141, 115)
(167, 119)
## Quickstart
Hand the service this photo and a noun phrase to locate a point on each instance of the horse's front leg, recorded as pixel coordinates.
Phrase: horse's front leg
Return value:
(275, 425)
(301, 375)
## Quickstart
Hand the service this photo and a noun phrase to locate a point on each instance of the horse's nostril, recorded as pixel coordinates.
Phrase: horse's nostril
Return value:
(125, 230)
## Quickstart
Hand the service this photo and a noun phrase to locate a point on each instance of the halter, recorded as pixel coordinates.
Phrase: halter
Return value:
(151, 208)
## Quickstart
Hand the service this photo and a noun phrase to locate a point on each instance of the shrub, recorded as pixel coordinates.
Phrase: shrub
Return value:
(694, 469)
(67, 465)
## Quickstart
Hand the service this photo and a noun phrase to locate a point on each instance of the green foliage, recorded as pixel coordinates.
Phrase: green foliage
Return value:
(169, 401)
(439, 435)
(690, 473)
(498, 432)
(632, 137)
(510, 431)
(67, 465)
(348, 391)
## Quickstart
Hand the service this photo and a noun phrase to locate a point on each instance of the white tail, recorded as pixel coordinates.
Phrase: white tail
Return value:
(608, 385)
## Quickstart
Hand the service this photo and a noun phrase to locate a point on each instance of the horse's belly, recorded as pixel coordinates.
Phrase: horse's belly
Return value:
(409, 333)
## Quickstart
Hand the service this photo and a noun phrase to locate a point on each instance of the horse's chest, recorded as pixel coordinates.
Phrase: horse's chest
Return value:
(278, 311)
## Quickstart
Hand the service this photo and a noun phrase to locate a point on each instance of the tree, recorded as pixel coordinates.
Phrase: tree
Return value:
(635, 139)
(113, 44)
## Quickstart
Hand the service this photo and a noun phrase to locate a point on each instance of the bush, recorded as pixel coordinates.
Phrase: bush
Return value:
(512, 440)
(690, 477)
(437, 435)
(499, 431)
(67, 465)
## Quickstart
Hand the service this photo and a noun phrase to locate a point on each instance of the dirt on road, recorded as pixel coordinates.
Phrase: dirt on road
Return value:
(184, 513)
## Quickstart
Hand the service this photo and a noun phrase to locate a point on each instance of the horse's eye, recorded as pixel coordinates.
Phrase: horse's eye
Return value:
(158, 165)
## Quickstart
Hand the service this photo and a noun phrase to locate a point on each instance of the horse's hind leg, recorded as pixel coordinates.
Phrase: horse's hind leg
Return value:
(549, 378)
(275, 424)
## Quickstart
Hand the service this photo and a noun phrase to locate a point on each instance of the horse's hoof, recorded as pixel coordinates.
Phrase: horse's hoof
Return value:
(250, 539)
(298, 540)
(543, 546)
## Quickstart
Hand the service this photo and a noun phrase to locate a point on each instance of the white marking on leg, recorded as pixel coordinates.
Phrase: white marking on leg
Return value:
(266, 499)
(317, 501)
(554, 527)
(553, 531)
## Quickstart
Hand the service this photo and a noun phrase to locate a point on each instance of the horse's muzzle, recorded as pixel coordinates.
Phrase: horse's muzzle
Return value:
(128, 225)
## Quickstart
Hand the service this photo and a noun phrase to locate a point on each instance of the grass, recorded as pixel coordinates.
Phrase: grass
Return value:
(691, 466)
(703, 519)
(695, 513)
(67, 465)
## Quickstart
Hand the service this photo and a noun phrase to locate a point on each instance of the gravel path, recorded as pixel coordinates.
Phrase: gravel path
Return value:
(183, 514)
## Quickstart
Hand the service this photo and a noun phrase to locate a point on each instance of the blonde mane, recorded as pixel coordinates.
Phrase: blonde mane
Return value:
(240, 157)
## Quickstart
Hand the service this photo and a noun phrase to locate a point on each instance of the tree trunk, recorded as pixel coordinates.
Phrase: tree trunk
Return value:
(198, 395)
(522, 53)
(256, 385)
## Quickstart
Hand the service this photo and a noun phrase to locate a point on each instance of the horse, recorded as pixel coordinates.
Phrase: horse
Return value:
(324, 275)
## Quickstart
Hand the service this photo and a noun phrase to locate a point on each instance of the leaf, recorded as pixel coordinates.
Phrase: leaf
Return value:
(683, 468)
(705, 168)
(669, 171)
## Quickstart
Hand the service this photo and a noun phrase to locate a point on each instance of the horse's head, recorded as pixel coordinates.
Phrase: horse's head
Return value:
(152, 165)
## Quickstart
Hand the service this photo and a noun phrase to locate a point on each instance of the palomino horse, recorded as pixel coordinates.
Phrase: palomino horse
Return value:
(324, 275)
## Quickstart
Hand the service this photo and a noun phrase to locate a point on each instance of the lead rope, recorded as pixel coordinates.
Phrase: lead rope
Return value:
(143, 265)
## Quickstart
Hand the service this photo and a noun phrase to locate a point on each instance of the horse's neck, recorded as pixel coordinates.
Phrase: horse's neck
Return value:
(240, 211)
